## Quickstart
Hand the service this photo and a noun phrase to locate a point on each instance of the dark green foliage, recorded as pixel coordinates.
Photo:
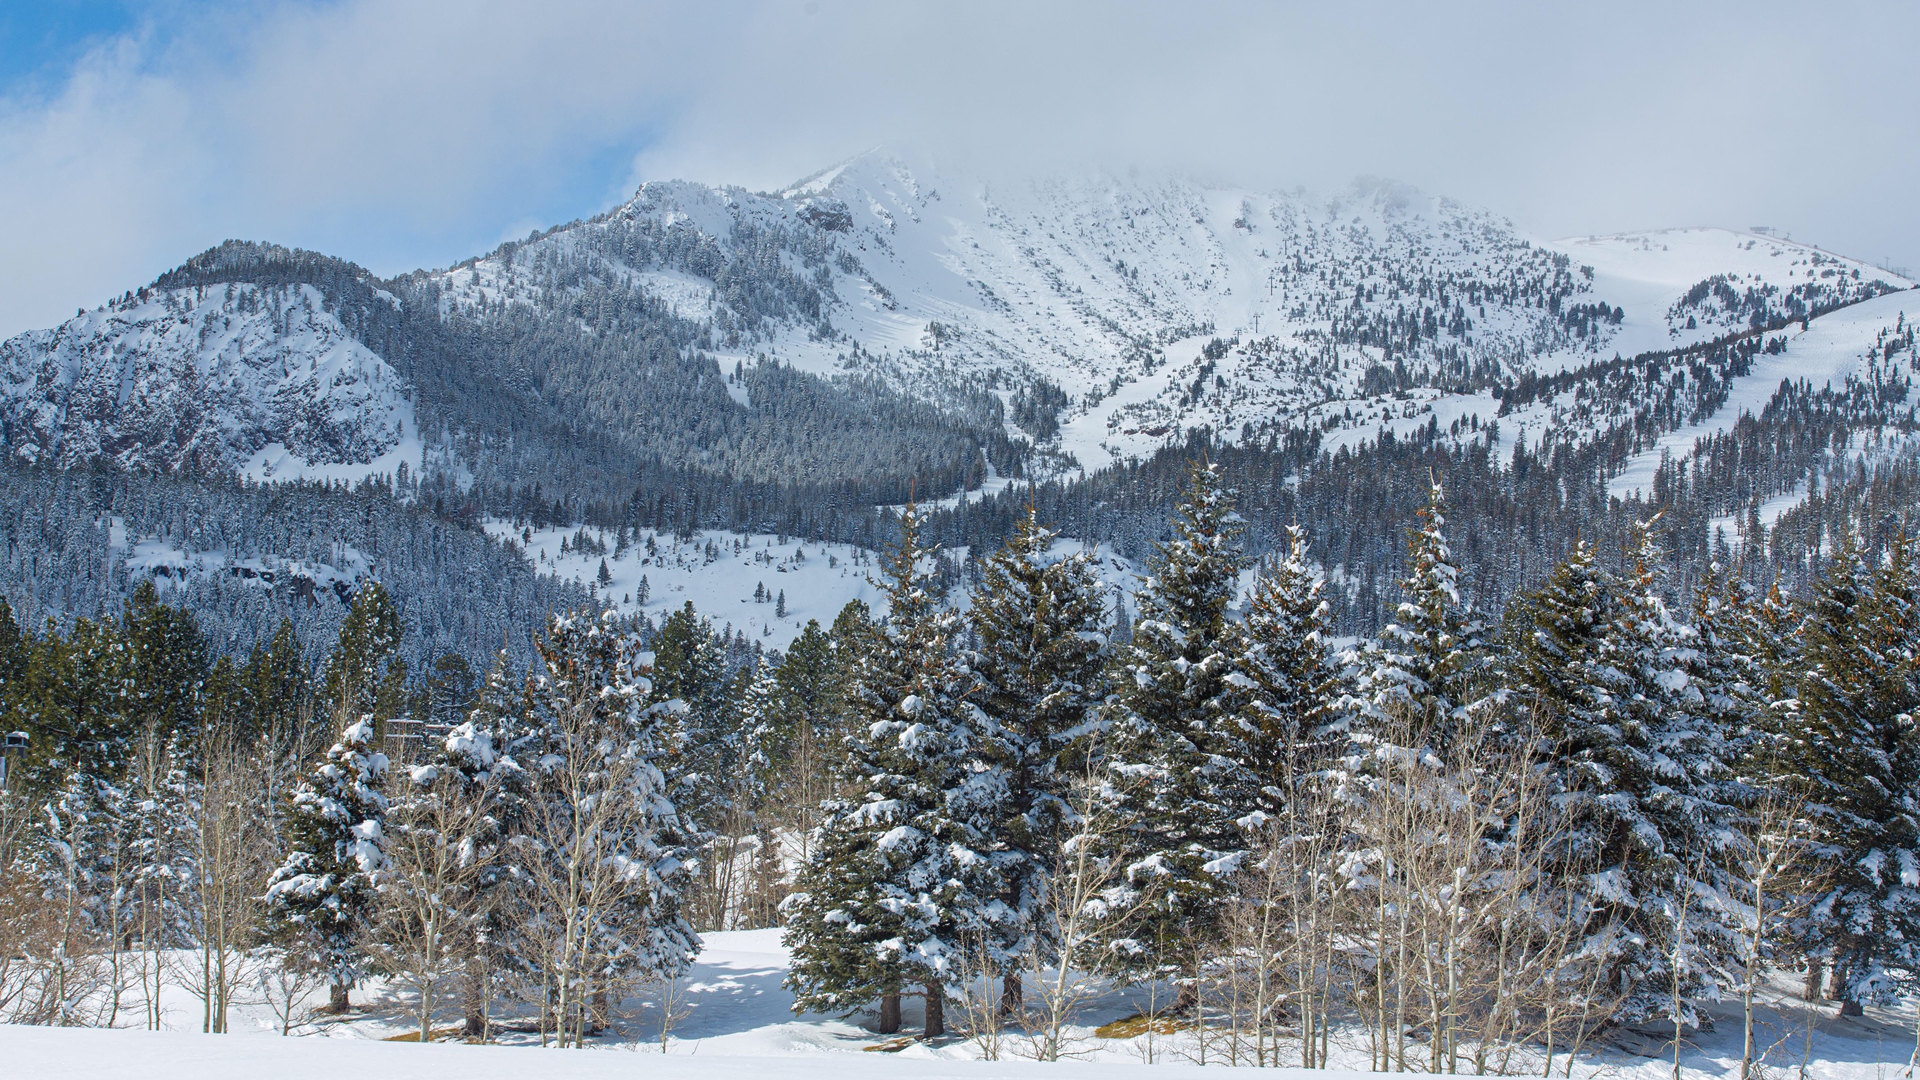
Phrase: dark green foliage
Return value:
(1285, 685)
(1630, 736)
(1169, 717)
(896, 877)
(1040, 621)
(365, 675)
(1854, 757)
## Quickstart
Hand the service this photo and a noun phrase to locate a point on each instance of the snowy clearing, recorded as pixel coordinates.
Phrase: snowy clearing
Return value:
(737, 1022)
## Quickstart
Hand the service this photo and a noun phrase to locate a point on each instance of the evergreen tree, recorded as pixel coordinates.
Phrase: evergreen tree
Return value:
(322, 897)
(1168, 716)
(1855, 760)
(79, 867)
(16, 655)
(759, 774)
(897, 877)
(1637, 770)
(485, 750)
(1040, 621)
(277, 685)
(167, 658)
(366, 676)
(609, 857)
(1419, 681)
(75, 706)
(1286, 686)
(701, 743)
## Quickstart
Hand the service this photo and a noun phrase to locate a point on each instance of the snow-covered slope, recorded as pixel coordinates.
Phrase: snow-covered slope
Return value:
(765, 587)
(1110, 288)
(231, 378)
(1870, 343)
(1110, 313)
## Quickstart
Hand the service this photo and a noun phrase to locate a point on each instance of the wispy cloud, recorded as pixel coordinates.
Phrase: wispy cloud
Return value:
(406, 134)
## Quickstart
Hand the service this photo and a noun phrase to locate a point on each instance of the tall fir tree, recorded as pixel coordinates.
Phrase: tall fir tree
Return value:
(702, 744)
(1636, 768)
(898, 877)
(1422, 679)
(1854, 758)
(1168, 718)
(1287, 688)
(807, 724)
(1040, 621)
(612, 848)
(366, 675)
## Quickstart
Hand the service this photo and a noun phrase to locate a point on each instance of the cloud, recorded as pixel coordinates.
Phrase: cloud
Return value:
(408, 134)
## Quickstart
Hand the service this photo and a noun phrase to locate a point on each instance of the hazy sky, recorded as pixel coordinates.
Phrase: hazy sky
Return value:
(414, 134)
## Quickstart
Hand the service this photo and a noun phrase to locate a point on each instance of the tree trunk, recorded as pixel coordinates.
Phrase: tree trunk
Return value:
(475, 993)
(889, 1014)
(1013, 995)
(936, 1011)
(337, 998)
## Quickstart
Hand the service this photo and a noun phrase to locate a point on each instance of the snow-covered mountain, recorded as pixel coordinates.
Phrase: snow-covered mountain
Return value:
(1107, 289)
(233, 377)
(1106, 314)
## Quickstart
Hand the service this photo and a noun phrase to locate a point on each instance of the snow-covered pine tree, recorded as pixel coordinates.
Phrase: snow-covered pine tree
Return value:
(483, 750)
(365, 675)
(163, 841)
(897, 876)
(1856, 763)
(1636, 769)
(1421, 679)
(608, 866)
(1286, 686)
(807, 723)
(1167, 718)
(756, 848)
(445, 836)
(321, 899)
(167, 661)
(1729, 674)
(1681, 699)
(700, 740)
(1040, 621)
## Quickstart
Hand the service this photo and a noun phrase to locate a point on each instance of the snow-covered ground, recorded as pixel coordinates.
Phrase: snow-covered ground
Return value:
(719, 572)
(1831, 348)
(735, 1021)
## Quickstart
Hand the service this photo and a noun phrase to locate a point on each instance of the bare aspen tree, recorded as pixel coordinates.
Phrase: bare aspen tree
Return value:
(1083, 897)
(436, 832)
(603, 870)
(233, 856)
(1767, 868)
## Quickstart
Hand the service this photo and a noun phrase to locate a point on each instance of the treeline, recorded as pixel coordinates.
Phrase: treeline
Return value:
(245, 558)
(256, 827)
(1478, 844)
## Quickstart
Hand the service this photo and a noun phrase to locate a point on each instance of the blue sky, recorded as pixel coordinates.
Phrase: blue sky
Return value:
(408, 133)
(49, 47)
(43, 38)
